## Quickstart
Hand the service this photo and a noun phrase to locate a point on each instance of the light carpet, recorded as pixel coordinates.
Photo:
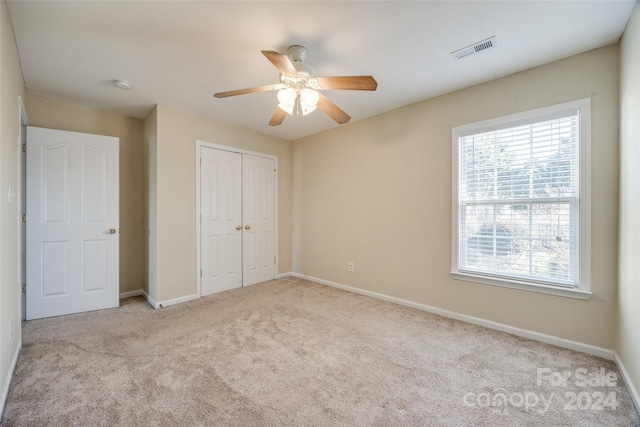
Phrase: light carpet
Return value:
(294, 353)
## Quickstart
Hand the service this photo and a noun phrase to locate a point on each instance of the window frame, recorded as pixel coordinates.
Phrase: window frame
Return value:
(583, 290)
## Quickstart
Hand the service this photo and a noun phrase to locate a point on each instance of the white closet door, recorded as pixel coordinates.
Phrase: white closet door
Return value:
(237, 219)
(72, 222)
(221, 220)
(259, 219)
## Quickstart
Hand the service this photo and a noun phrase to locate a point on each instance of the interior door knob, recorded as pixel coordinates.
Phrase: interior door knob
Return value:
(247, 227)
(239, 227)
(112, 231)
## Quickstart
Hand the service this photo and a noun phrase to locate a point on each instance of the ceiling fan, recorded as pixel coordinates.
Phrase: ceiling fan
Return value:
(298, 90)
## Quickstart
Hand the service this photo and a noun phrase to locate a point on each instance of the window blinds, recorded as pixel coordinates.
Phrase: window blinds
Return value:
(518, 201)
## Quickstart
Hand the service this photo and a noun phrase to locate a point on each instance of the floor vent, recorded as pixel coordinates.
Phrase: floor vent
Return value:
(474, 48)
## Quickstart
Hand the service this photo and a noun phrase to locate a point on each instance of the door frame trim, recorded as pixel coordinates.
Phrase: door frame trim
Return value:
(204, 144)
(22, 203)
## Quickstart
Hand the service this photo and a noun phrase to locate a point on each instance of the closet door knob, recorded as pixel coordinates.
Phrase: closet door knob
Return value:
(239, 227)
(247, 227)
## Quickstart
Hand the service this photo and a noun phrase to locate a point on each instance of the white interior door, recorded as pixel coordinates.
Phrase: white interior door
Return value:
(72, 222)
(259, 219)
(220, 220)
(237, 219)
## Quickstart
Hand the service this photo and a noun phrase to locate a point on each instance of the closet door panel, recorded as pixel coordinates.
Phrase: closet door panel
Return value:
(220, 220)
(258, 193)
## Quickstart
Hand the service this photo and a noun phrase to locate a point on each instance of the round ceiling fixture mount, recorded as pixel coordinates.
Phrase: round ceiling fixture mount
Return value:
(122, 84)
(297, 53)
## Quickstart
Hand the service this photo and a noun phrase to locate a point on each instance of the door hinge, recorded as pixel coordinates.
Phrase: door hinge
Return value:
(24, 289)
(24, 218)
(200, 272)
(24, 148)
(274, 260)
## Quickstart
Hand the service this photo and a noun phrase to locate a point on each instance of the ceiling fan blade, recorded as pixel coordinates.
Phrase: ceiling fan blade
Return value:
(281, 62)
(249, 90)
(278, 117)
(348, 83)
(332, 110)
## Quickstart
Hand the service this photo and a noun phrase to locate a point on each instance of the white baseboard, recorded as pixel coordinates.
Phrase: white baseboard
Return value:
(7, 381)
(536, 336)
(169, 302)
(163, 304)
(150, 300)
(635, 396)
(130, 294)
(179, 300)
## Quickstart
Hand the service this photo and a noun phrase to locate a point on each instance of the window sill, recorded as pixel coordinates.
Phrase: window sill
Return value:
(525, 286)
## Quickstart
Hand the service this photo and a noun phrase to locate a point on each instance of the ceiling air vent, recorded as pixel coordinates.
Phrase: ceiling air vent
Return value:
(474, 48)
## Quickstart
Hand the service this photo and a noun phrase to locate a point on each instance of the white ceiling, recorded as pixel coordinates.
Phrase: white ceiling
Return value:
(178, 53)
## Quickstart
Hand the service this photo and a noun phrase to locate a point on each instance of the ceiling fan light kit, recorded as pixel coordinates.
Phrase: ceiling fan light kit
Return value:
(309, 99)
(298, 90)
(296, 102)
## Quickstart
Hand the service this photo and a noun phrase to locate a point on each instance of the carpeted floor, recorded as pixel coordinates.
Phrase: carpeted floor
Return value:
(295, 353)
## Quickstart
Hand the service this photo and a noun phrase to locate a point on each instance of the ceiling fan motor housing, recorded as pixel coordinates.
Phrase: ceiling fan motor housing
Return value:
(297, 53)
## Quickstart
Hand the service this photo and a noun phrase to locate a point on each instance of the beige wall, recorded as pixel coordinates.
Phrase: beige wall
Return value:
(49, 113)
(11, 89)
(177, 133)
(378, 193)
(628, 342)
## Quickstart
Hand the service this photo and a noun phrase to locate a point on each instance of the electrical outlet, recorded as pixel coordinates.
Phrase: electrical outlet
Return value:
(352, 267)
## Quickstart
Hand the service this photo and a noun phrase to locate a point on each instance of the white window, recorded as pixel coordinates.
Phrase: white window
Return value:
(521, 200)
